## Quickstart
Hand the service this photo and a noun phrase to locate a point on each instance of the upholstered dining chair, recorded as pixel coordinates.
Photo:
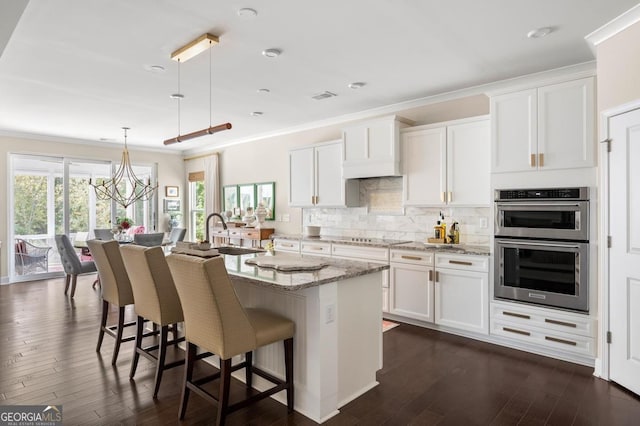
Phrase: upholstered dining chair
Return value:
(116, 291)
(177, 234)
(71, 263)
(103, 234)
(215, 321)
(155, 299)
(148, 240)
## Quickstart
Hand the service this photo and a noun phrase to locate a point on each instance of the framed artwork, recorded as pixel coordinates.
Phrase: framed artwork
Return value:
(247, 197)
(265, 194)
(171, 206)
(171, 191)
(230, 199)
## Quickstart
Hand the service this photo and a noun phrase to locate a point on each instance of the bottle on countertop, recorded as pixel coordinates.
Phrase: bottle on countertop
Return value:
(443, 228)
(454, 233)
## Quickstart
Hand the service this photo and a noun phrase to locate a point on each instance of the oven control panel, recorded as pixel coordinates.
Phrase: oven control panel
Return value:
(581, 193)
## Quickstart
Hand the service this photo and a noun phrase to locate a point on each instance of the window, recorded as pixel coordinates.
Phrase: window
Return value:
(196, 206)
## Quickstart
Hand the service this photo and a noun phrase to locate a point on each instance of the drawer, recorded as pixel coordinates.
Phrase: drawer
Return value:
(251, 235)
(220, 233)
(412, 257)
(462, 261)
(235, 233)
(372, 254)
(547, 338)
(545, 319)
(286, 245)
(318, 249)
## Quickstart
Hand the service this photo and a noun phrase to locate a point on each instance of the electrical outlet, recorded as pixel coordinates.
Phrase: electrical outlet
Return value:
(330, 314)
(484, 224)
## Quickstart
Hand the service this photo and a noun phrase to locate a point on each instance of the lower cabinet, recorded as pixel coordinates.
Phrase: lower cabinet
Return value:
(289, 246)
(448, 290)
(411, 285)
(462, 295)
(549, 329)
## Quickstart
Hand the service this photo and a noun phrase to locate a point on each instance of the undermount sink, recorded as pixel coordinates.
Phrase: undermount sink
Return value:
(237, 251)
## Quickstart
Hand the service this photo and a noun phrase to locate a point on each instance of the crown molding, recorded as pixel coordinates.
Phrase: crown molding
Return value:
(613, 27)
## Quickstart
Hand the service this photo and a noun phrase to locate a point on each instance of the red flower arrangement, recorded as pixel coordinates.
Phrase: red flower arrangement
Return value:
(124, 223)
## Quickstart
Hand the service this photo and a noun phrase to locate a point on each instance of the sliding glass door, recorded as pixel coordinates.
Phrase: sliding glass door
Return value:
(51, 195)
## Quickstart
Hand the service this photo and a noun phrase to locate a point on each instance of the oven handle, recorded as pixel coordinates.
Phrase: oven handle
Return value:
(533, 243)
(519, 206)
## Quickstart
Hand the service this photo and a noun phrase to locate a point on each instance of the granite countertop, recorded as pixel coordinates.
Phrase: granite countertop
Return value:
(446, 248)
(336, 270)
(393, 244)
(352, 241)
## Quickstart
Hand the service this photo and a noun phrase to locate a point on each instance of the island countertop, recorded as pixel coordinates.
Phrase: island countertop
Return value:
(336, 270)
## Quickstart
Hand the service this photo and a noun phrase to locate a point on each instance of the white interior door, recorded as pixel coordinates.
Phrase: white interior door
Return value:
(624, 266)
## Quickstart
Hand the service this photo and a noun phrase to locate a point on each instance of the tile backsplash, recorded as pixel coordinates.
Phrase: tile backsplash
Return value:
(382, 215)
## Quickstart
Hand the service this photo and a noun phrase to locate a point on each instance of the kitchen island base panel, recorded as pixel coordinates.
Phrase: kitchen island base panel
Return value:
(338, 340)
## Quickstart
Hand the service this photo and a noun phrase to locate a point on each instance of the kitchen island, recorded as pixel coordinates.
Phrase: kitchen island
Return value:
(337, 312)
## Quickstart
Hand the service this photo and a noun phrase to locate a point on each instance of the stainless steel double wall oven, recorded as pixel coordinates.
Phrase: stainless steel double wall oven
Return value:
(542, 246)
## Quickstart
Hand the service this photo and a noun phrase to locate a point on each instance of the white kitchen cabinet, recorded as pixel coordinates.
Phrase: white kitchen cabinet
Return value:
(461, 292)
(315, 178)
(546, 128)
(366, 254)
(286, 245)
(371, 149)
(447, 163)
(559, 332)
(411, 288)
(315, 248)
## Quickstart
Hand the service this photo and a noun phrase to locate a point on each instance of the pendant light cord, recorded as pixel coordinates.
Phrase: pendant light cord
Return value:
(210, 83)
(179, 99)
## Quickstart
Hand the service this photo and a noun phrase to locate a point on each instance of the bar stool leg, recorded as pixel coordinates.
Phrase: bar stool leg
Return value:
(288, 365)
(103, 324)
(162, 354)
(116, 348)
(223, 398)
(138, 348)
(248, 358)
(188, 376)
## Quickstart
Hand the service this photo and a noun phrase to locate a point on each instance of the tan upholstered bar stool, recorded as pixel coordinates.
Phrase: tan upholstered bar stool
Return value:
(215, 321)
(155, 299)
(116, 290)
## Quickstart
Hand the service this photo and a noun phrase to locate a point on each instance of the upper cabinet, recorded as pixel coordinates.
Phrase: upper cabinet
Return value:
(371, 149)
(447, 163)
(550, 127)
(315, 177)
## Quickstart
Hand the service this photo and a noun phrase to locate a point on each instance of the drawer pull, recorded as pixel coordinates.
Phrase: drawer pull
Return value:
(513, 314)
(460, 262)
(513, 330)
(430, 275)
(556, 322)
(316, 248)
(411, 257)
(286, 245)
(555, 339)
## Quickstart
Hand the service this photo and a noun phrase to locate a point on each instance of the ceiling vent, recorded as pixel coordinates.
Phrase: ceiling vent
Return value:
(323, 95)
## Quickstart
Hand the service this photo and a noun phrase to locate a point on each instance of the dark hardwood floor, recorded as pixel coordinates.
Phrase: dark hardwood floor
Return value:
(47, 356)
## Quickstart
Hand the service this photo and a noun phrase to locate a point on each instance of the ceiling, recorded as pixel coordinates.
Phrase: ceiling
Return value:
(81, 69)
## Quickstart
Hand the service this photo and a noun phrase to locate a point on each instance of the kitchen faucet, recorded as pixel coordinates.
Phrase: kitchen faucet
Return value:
(224, 225)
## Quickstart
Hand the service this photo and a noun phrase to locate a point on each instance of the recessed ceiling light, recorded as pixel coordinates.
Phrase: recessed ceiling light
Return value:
(256, 113)
(356, 85)
(247, 12)
(539, 32)
(156, 69)
(263, 91)
(271, 53)
(176, 96)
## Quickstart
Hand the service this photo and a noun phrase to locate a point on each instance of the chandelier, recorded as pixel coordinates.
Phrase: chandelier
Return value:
(123, 180)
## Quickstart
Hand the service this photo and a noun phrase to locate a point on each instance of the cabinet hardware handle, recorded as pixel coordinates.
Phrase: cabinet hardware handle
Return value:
(437, 276)
(541, 160)
(555, 339)
(430, 275)
(460, 262)
(442, 196)
(449, 197)
(313, 197)
(411, 257)
(286, 245)
(556, 322)
(513, 330)
(317, 199)
(316, 248)
(512, 314)
(533, 160)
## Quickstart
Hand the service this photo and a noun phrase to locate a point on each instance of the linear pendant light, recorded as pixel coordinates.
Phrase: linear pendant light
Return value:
(183, 54)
